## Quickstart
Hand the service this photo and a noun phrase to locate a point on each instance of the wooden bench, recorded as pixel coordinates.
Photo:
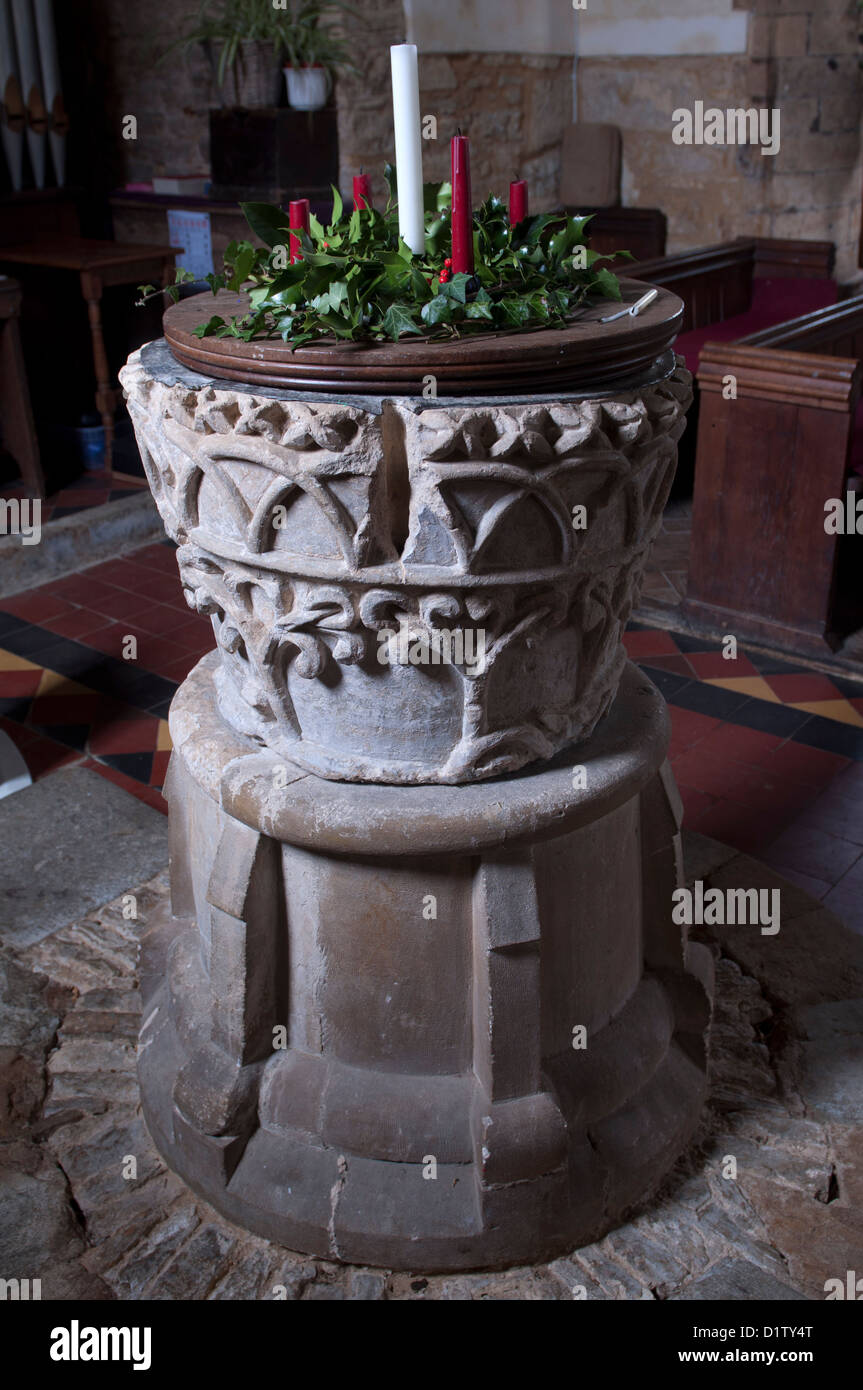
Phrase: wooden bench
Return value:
(778, 424)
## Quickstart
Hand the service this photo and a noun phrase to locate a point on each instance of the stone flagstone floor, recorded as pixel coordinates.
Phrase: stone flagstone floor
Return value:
(787, 1046)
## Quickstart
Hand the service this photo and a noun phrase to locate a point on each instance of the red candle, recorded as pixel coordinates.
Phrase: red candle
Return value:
(517, 202)
(362, 192)
(462, 207)
(298, 216)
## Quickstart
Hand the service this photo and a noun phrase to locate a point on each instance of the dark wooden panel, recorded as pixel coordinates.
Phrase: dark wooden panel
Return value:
(273, 155)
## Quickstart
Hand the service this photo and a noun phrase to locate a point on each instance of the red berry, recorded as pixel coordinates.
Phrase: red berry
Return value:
(448, 262)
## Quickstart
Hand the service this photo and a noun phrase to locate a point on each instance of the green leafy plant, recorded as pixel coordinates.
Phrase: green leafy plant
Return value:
(299, 34)
(358, 280)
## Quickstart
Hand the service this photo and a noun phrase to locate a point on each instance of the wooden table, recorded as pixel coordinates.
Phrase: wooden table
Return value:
(98, 264)
(19, 431)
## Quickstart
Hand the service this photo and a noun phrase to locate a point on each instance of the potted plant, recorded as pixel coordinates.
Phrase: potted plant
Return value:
(245, 41)
(313, 51)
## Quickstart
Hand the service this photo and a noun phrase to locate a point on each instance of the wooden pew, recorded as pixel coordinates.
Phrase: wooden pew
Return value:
(716, 282)
(762, 565)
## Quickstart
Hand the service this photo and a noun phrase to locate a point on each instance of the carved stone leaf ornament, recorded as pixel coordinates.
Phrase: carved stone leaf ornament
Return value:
(307, 530)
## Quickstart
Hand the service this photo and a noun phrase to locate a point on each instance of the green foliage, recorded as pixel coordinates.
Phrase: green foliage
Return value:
(300, 33)
(359, 281)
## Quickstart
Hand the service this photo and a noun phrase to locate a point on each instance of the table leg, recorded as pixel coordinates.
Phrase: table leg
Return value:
(91, 287)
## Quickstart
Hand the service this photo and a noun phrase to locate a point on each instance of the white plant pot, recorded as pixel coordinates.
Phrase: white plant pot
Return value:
(308, 88)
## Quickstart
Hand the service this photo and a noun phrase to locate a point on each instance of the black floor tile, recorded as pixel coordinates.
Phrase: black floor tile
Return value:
(768, 718)
(10, 623)
(711, 700)
(138, 766)
(853, 689)
(130, 684)
(71, 735)
(832, 736)
(774, 665)
(162, 708)
(669, 683)
(58, 512)
(16, 707)
(688, 643)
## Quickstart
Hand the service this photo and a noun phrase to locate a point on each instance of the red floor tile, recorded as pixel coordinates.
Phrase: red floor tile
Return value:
(125, 735)
(803, 687)
(19, 684)
(734, 825)
(741, 745)
(163, 620)
(694, 803)
(810, 765)
(713, 666)
(43, 755)
(78, 623)
(80, 589)
(112, 639)
(688, 727)
(717, 776)
(160, 768)
(641, 645)
(36, 605)
(121, 604)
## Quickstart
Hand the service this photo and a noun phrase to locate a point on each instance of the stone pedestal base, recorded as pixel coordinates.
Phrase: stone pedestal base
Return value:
(426, 1027)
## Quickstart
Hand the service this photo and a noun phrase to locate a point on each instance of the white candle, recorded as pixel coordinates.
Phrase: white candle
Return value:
(409, 145)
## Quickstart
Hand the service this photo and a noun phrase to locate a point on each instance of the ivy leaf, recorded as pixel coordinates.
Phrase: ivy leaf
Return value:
(456, 288)
(438, 310)
(478, 310)
(398, 320)
(513, 313)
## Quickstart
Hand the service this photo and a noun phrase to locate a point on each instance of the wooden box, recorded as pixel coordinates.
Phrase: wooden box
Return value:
(273, 154)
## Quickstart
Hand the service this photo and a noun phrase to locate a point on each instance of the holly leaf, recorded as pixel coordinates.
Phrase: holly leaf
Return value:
(204, 330)
(269, 224)
(607, 283)
(338, 206)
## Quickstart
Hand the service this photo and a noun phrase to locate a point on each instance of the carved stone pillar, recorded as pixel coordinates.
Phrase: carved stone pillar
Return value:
(403, 1013)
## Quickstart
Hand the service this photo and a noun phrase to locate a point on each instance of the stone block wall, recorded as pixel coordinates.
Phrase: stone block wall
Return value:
(804, 57)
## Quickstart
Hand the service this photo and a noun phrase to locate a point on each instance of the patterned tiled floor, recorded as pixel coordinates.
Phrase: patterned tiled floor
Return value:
(768, 755)
(91, 489)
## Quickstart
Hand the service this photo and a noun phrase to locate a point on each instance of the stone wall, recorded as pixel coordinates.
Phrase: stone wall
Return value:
(804, 56)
